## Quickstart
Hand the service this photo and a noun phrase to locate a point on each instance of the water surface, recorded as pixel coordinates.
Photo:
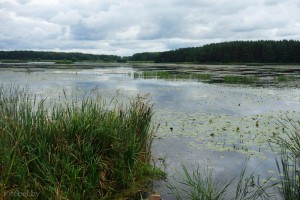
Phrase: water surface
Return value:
(200, 124)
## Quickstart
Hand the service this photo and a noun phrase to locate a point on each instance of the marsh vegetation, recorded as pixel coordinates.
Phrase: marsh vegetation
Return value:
(75, 150)
(215, 77)
(172, 75)
(288, 163)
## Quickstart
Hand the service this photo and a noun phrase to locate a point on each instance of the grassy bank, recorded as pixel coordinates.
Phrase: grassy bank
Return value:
(77, 150)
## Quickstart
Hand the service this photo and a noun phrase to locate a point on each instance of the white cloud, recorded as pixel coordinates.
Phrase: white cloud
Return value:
(70, 17)
(124, 27)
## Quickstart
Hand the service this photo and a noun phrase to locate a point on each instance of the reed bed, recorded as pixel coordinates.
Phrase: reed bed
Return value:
(75, 150)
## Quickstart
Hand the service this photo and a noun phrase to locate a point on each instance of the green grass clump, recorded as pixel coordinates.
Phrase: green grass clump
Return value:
(199, 185)
(231, 79)
(202, 76)
(65, 62)
(289, 163)
(76, 150)
(284, 78)
(13, 61)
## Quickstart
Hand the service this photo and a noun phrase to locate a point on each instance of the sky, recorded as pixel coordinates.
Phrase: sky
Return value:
(125, 27)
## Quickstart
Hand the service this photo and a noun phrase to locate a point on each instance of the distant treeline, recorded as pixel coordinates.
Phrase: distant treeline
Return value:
(42, 55)
(146, 56)
(285, 51)
(264, 51)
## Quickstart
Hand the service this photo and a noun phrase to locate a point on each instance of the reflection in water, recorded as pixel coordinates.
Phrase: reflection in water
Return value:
(200, 124)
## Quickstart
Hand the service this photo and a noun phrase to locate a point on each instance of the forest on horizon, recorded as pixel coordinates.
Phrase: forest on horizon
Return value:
(263, 51)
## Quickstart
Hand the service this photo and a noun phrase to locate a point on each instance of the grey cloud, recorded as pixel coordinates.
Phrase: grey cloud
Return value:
(130, 26)
(81, 32)
(162, 28)
(69, 17)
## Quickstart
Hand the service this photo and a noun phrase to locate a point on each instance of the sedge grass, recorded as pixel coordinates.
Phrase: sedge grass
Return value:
(76, 150)
(197, 185)
(289, 162)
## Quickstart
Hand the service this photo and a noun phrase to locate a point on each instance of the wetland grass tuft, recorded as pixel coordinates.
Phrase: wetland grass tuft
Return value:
(12, 61)
(233, 79)
(76, 150)
(65, 62)
(172, 75)
(289, 163)
(199, 185)
(284, 78)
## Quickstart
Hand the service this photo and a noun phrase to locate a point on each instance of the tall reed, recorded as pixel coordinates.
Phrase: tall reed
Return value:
(289, 162)
(76, 150)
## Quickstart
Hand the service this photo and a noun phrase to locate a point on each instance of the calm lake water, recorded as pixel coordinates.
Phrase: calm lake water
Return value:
(200, 124)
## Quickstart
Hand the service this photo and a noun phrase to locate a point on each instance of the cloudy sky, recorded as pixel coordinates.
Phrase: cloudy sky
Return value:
(124, 27)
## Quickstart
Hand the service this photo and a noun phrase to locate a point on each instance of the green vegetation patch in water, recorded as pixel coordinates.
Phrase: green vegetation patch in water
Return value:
(13, 61)
(172, 75)
(65, 62)
(284, 78)
(234, 79)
